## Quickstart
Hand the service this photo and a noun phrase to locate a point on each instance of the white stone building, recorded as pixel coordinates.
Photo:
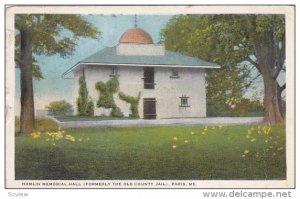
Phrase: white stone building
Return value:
(171, 85)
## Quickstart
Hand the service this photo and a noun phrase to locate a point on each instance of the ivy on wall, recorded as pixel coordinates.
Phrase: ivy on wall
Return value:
(134, 103)
(84, 103)
(106, 99)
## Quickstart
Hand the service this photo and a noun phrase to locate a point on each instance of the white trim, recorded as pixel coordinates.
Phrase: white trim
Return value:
(136, 65)
(151, 65)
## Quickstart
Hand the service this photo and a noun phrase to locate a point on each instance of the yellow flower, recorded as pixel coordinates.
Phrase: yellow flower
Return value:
(253, 140)
(174, 146)
(249, 132)
(203, 132)
(252, 128)
(70, 138)
(248, 136)
(192, 133)
(175, 138)
(186, 141)
(246, 151)
(243, 156)
(35, 134)
(266, 141)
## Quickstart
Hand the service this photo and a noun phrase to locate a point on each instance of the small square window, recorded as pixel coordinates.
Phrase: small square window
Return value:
(184, 101)
(174, 74)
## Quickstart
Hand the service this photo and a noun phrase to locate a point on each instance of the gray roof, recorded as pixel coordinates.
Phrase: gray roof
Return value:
(109, 56)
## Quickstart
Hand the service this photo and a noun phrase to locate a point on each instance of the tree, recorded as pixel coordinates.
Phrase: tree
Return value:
(238, 43)
(38, 34)
(59, 107)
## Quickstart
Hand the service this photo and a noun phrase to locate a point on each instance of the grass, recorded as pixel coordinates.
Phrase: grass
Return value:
(154, 153)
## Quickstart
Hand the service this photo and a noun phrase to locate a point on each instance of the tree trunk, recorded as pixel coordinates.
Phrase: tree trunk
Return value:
(272, 101)
(265, 53)
(27, 102)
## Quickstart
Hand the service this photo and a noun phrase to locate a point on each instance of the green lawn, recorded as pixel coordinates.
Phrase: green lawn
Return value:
(153, 153)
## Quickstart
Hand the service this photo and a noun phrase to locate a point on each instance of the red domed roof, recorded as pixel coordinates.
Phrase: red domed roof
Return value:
(136, 36)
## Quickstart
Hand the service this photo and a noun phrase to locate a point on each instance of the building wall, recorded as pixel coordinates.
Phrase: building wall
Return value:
(140, 49)
(167, 90)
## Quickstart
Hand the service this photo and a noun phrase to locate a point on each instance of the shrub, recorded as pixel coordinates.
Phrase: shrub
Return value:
(41, 124)
(45, 124)
(116, 112)
(59, 107)
(89, 108)
(85, 105)
(241, 108)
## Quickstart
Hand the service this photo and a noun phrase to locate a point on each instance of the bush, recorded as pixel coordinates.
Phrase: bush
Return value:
(85, 105)
(45, 124)
(242, 108)
(89, 108)
(81, 101)
(59, 108)
(116, 112)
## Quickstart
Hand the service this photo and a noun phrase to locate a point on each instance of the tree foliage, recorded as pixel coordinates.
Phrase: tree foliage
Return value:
(59, 107)
(51, 34)
(43, 34)
(192, 36)
(238, 43)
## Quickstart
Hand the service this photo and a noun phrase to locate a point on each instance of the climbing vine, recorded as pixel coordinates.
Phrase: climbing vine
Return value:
(134, 103)
(106, 99)
(84, 103)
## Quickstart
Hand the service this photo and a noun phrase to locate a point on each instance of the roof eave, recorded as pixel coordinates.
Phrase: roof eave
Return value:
(132, 64)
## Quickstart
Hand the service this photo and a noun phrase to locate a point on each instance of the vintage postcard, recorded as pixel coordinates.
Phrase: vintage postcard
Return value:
(150, 96)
